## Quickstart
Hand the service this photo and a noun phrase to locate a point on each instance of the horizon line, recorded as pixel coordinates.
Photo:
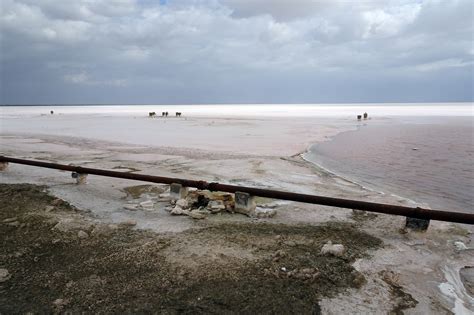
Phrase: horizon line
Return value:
(186, 104)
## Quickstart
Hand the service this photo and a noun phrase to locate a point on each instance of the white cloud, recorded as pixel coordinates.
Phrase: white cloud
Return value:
(77, 78)
(85, 79)
(386, 23)
(443, 64)
(30, 21)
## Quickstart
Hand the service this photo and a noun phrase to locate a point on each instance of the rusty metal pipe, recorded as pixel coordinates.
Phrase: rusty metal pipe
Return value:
(419, 213)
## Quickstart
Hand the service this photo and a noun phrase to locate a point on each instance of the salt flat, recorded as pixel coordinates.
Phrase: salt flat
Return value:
(255, 151)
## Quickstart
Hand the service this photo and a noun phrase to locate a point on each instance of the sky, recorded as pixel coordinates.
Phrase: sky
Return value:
(235, 51)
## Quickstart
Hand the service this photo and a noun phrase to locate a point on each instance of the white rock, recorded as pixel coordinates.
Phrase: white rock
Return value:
(203, 211)
(333, 249)
(179, 211)
(216, 205)
(264, 212)
(131, 207)
(197, 215)
(82, 234)
(4, 275)
(147, 205)
(10, 220)
(460, 246)
(182, 203)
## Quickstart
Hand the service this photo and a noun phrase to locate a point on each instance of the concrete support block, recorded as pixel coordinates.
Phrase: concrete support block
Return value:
(80, 178)
(417, 224)
(3, 166)
(177, 191)
(244, 203)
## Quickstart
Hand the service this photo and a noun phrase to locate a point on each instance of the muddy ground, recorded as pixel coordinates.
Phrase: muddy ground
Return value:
(61, 259)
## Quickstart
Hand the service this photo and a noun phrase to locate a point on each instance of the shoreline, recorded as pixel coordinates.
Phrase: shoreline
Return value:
(414, 262)
(423, 156)
(354, 181)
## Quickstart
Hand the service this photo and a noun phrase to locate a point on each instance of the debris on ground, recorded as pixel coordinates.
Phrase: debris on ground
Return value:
(198, 204)
(120, 269)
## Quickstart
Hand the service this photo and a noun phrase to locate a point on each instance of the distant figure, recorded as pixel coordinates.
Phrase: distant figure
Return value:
(366, 115)
(359, 117)
(151, 114)
(52, 112)
(178, 114)
(166, 114)
(163, 114)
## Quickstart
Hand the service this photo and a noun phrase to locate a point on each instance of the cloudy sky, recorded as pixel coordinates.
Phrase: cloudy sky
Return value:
(235, 51)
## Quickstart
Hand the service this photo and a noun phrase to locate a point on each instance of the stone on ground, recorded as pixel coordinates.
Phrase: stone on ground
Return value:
(82, 234)
(333, 249)
(4, 275)
(177, 210)
(182, 203)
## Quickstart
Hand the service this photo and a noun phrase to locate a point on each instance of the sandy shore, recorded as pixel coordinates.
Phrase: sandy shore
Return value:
(260, 152)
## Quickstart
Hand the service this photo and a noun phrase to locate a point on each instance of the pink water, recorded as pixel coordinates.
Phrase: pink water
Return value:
(426, 159)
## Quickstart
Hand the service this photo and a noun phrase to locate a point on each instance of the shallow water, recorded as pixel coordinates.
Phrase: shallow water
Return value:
(426, 159)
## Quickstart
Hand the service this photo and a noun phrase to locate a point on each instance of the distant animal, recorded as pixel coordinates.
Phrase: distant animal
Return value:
(359, 117)
(166, 114)
(163, 114)
(151, 114)
(52, 112)
(365, 115)
(178, 114)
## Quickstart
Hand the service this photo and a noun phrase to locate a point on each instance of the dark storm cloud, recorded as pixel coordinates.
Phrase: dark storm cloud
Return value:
(229, 51)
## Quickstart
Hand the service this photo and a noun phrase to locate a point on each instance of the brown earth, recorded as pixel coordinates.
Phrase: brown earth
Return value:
(62, 260)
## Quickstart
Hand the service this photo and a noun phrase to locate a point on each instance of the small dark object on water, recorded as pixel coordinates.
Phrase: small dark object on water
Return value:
(163, 114)
(166, 114)
(151, 114)
(178, 114)
(366, 115)
(52, 112)
(359, 117)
